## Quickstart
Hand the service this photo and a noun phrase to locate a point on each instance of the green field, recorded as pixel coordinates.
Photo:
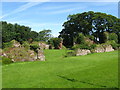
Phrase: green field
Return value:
(99, 70)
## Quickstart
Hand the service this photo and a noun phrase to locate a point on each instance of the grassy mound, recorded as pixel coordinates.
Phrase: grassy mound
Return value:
(99, 70)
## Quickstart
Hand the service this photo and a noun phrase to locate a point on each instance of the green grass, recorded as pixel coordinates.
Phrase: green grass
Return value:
(99, 70)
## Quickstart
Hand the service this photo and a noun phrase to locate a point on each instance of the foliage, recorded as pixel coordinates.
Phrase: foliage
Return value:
(18, 32)
(106, 36)
(26, 45)
(91, 37)
(84, 46)
(55, 42)
(7, 44)
(80, 39)
(34, 47)
(89, 23)
(113, 36)
(63, 47)
(113, 44)
(6, 60)
(44, 35)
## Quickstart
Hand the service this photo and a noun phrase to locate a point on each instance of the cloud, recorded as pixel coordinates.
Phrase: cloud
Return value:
(65, 10)
(23, 8)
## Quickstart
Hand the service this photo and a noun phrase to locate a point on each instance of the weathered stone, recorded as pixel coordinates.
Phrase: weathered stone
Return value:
(99, 49)
(81, 52)
(43, 46)
(60, 45)
(103, 48)
(41, 56)
(89, 41)
(108, 48)
(20, 54)
(16, 44)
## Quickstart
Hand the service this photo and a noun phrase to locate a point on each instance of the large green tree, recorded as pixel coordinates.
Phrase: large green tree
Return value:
(89, 23)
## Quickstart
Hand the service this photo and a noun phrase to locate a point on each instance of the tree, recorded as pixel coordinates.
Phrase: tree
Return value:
(17, 32)
(44, 35)
(89, 23)
(55, 42)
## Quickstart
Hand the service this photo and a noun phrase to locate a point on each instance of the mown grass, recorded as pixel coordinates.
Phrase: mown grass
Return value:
(99, 70)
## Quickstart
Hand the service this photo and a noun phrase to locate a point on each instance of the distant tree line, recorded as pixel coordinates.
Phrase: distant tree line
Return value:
(95, 25)
(22, 33)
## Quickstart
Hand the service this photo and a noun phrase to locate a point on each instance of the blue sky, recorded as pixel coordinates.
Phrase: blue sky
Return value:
(50, 15)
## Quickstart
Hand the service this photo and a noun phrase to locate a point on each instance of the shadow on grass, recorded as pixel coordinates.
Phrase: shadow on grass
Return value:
(74, 80)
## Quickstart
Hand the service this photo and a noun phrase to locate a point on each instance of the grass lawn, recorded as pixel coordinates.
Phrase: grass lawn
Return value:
(99, 70)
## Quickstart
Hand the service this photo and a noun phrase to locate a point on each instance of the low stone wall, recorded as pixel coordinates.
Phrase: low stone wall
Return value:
(109, 48)
(103, 48)
(98, 49)
(18, 54)
(81, 52)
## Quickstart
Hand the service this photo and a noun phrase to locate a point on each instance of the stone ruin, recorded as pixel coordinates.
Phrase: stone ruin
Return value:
(103, 48)
(19, 53)
(99, 49)
(43, 46)
(81, 52)
(16, 44)
(41, 56)
(109, 48)
(60, 45)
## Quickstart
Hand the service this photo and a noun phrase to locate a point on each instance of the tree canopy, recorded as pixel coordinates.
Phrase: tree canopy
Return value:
(89, 23)
(22, 33)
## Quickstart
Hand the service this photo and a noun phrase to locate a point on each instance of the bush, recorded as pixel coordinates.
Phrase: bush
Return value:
(84, 46)
(80, 39)
(26, 45)
(55, 42)
(63, 47)
(6, 60)
(93, 46)
(34, 47)
(91, 37)
(113, 44)
(113, 36)
(7, 44)
(105, 36)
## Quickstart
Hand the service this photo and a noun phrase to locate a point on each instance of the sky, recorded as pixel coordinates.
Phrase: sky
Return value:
(50, 15)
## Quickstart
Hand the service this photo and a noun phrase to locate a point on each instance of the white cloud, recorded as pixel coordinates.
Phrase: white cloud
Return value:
(65, 10)
(23, 8)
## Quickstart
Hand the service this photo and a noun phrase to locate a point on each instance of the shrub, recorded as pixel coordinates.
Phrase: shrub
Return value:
(93, 46)
(26, 45)
(84, 46)
(6, 60)
(55, 42)
(34, 47)
(91, 37)
(7, 44)
(113, 44)
(79, 39)
(63, 47)
(105, 36)
(113, 36)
